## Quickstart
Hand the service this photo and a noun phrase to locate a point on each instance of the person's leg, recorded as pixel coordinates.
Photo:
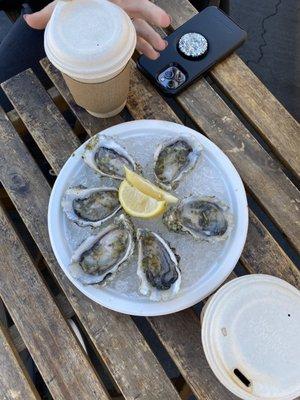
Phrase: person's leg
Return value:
(22, 48)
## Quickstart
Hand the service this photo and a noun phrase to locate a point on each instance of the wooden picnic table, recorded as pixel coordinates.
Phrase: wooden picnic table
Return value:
(234, 110)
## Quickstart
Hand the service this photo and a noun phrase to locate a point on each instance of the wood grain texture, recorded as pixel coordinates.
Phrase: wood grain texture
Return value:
(180, 333)
(41, 117)
(142, 109)
(144, 102)
(90, 123)
(120, 344)
(274, 123)
(263, 255)
(262, 174)
(54, 349)
(15, 384)
(256, 102)
(66, 310)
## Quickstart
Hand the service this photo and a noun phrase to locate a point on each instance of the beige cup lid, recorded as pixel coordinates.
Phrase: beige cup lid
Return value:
(89, 40)
(251, 337)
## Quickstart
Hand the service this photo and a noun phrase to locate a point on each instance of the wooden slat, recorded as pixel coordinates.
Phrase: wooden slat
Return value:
(54, 349)
(91, 124)
(65, 309)
(15, 384)
(181, 335)
(263, 255)
(41, 117)
(268, 249)
(115, 336)
(249, 94)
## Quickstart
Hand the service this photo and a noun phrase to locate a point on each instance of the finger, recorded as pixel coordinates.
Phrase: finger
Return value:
(39, 19)
(146, 10)
(146, 48)
(145, 31)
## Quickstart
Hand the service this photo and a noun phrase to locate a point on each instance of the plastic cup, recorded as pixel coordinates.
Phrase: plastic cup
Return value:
(91, 43)
(250, 336)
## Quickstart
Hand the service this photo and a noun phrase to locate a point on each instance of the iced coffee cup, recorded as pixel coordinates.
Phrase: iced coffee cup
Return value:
(250, 336)
(91, 43)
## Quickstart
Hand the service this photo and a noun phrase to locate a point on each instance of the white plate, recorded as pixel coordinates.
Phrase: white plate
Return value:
(204, 266)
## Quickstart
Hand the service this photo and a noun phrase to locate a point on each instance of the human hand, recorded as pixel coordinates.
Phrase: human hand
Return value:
(142, 12)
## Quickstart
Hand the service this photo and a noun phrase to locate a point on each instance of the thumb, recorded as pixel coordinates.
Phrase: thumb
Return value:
(39, 19)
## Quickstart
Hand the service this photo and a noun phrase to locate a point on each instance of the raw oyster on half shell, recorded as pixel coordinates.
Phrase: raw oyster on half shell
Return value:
(107, 157)
(174, 158)
(100, 256)
(90, 206)
(205, 218)
(160, 276)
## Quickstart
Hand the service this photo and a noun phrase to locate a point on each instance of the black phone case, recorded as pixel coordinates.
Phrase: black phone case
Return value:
(223, 36)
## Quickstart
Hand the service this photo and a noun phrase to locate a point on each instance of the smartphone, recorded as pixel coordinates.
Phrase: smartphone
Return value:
(192, 49)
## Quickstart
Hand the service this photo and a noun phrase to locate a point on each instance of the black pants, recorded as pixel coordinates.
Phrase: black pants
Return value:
(23, 46)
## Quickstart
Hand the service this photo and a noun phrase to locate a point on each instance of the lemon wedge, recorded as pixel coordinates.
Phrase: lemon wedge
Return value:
(138, 204)
(148, 188)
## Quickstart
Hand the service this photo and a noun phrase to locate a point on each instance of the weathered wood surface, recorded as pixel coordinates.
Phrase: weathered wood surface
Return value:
(15, 384)
(262, 174)
(44, 331)
(115, 336)
(256, 102)
(41, 117)
(90, 123)
(142, 376)
(180, 334)
(278, 128)
(260, 248)
(66, 310)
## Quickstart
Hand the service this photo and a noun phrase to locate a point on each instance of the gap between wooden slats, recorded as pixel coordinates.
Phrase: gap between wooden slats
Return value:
(249, 94)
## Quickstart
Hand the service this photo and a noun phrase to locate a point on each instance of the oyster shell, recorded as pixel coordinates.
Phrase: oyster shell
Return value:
(100, 256)
(158, 268)
(104, 155)
(205, 218)
(173, 159)
(90, 207)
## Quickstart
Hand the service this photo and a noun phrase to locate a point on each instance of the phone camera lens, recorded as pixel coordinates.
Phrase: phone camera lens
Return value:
(171, 84)
(169, 74)
(179, 76)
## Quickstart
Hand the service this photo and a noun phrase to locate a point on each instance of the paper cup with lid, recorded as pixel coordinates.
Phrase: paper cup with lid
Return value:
(251, 337)
(91, 43)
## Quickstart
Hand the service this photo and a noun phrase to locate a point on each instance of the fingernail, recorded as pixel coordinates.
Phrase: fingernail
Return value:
(166, 43)
(171, 19)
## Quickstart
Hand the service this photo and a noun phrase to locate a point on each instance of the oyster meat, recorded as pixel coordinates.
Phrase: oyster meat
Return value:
(158, 269)
(104, 155)
(204, 218)
(175, 158)
(90, 207)
(100, 256)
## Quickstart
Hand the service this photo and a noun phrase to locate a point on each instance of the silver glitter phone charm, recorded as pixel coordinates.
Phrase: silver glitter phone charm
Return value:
(193, 45)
